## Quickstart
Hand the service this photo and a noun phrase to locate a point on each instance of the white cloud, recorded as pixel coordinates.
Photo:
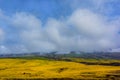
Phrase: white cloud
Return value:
(1, 34)
(83, 30)
(3, 49)
(88, 23)
(96, 30)
(115, 50)
(89, 32)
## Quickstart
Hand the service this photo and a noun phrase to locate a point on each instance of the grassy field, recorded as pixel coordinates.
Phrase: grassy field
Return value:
(39, 69)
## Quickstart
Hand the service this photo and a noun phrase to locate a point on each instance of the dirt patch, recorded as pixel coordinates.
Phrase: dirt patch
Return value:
(61, 70)
(105, 64)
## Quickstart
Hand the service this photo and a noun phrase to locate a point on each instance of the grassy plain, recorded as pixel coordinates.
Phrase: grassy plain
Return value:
(39, 69)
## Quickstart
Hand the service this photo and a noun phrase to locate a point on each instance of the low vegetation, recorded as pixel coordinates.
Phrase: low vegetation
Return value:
(31, 68)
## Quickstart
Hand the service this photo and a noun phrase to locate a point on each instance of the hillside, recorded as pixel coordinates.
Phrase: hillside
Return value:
(72, 54)
(45, 69)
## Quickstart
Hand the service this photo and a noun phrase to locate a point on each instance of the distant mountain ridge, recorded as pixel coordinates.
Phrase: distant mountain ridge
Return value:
(72, 54)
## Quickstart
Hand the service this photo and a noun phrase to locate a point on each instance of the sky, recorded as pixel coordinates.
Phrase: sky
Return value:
(59, 25)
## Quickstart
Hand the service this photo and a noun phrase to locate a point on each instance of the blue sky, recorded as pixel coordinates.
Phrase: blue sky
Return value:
(41, 8)
(59, 25)
(55, 8)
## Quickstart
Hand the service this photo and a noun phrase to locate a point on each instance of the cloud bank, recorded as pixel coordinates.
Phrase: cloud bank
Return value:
(83, 30)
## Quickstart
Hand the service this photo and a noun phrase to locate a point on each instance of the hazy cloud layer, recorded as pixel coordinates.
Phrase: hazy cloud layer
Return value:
(83, 30)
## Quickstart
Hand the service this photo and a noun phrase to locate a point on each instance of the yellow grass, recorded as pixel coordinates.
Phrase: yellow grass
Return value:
(36, 68)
